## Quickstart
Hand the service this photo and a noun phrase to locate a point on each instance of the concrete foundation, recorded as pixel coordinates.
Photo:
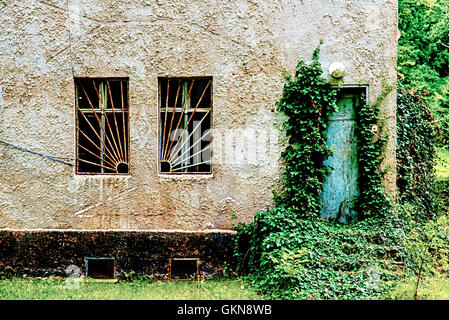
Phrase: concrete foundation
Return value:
(45, 253)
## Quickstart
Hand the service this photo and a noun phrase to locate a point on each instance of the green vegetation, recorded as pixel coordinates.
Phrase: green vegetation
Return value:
(442, 164)
(289, 251)
(423, 157)
(394, 252)
(423, 57)
(434, 288)
(416, 138)
(425, 275)
(56, 289)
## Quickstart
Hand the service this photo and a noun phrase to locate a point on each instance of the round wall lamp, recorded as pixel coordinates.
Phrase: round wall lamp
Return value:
(337, 70)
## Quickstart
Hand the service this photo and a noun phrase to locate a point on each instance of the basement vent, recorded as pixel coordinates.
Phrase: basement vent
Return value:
(184, 269)
(100, 268)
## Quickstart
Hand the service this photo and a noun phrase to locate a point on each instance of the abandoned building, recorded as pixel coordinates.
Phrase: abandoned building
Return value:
(140, 132)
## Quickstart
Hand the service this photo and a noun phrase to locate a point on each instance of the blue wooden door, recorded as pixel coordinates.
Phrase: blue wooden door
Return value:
(341, 188)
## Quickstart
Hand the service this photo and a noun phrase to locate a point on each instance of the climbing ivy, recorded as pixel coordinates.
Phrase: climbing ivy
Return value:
(289, 251)
(417, 135)
(372, 137)
(307, 102)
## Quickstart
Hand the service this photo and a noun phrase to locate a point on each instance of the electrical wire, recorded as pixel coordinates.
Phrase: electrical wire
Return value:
(37, 153)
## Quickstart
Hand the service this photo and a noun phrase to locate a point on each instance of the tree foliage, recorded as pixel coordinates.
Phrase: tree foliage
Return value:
(423, 99)
(423, 54)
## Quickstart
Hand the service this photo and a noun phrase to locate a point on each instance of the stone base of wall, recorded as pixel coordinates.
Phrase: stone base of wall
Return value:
(45, 253)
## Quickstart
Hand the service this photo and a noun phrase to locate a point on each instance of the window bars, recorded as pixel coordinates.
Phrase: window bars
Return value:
(102, 126)
(185, 106)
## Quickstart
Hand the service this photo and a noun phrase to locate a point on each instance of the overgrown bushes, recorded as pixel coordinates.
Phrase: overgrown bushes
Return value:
(416, 137)
(424, 89)
(423, 197)
(311, 259)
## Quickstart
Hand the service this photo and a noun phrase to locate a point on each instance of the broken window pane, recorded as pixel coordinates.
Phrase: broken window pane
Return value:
(185, 106)
(102, 126)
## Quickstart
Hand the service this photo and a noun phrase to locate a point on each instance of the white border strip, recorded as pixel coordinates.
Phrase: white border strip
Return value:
(122, 230)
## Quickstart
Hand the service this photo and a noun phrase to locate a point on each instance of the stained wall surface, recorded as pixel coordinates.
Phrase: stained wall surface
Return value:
(245, 45)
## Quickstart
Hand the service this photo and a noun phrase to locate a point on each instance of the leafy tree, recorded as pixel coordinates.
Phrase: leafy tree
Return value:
(423, 54)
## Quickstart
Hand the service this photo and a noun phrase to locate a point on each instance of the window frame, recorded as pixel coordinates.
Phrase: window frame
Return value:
(160, 123)
(126, 90)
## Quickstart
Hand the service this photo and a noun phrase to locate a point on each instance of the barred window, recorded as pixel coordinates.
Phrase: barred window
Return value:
(185, 107)
(102, 126)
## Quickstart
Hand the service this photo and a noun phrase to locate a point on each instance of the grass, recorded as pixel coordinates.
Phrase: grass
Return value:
(432, 288)
(442, 163)
(56, 289)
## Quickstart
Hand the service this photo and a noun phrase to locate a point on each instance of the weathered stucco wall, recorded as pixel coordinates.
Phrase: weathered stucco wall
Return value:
(245, 45)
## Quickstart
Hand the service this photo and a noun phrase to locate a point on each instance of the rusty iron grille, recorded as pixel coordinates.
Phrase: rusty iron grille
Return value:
(185, 106)
(102, 126)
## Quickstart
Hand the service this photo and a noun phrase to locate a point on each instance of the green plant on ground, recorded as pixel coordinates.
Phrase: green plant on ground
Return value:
(431, 288)
(427, 259)
(422, 124)
(441, 195)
